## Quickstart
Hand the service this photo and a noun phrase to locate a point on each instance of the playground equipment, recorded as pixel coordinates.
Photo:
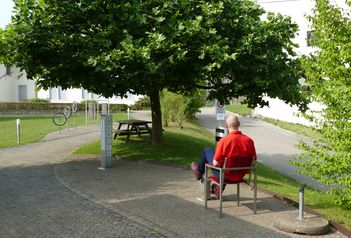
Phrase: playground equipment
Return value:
(61, 118)
(94, 109)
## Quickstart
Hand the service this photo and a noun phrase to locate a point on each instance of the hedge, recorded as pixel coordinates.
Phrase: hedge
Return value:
(41, 106)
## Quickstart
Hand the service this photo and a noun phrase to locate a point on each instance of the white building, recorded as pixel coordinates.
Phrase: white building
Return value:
(297, 10)
(16, 89)
(57, 95)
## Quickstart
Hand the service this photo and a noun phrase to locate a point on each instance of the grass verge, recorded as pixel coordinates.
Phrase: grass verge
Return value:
(243, 110)
(185, 145)
(294, 127)
(34, 128)
(240, 109)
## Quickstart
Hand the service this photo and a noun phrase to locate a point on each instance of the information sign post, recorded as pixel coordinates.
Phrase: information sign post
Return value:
(106, 141)
(220, 111)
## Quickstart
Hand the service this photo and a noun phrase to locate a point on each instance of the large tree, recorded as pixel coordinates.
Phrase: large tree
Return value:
(328, 73)
(114, 47)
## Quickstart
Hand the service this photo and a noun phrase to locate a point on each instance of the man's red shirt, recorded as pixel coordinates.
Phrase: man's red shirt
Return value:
(235, 146)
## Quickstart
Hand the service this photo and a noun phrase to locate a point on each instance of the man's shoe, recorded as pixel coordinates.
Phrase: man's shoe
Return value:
(215, 190)
(196, 171)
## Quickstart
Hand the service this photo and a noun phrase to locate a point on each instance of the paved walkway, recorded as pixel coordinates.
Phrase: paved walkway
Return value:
(47, 192)
(33, 203)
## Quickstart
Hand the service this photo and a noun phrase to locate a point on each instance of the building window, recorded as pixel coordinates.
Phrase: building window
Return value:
(310, 38)
(22, 93)
(8, 71)
(83, 93)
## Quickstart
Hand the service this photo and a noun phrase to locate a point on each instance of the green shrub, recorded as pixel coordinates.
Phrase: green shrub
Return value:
(142, 104)
(118, 107)
(39, 100)
(177, 107)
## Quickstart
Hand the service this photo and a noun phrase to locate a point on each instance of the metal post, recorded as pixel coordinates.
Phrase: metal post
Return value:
(86, 112)
(205, 188)
(18, 124)
(301, 201)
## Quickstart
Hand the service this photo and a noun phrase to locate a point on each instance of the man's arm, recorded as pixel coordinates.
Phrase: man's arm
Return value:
(254, 160)
(216, 163)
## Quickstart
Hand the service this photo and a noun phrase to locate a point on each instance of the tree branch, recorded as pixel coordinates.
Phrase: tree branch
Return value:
(204, 87)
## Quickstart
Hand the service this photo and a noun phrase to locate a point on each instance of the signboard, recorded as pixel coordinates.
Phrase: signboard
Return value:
(106, 141)
(220, 111)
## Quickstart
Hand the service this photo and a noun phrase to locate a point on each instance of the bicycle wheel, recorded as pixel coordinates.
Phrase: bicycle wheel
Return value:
(59, 119)
(67, 111)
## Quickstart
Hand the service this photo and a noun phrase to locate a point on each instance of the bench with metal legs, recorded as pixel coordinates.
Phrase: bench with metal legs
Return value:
(251, 169)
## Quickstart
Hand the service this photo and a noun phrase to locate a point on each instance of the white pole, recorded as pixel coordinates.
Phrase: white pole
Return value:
(86, 112)
(18, 123)
(301, 202)
(128, 112)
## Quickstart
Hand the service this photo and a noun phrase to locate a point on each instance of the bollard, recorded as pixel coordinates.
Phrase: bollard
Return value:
(18, 124)
(220, 132)
(301, 201)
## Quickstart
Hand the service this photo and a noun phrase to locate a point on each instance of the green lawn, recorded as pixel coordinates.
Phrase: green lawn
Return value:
(294, 127)
(240, 109)
(35, 128)
(185, 145)
(243, 110)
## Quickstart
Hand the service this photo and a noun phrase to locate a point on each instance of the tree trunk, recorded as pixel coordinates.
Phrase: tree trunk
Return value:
(156, 116)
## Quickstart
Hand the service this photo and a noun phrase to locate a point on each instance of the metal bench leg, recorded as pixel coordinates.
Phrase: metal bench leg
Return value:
(238, 193)
(205, 188)
(221, 177)
(255, 191)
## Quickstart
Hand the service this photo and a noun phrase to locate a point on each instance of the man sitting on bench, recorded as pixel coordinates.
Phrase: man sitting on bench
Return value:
(234, 145)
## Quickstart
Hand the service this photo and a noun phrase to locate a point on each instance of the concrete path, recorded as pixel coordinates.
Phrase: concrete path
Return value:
(47, 192)
(274, 146)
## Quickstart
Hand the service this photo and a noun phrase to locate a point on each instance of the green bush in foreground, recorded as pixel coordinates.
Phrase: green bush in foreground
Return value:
(328, 73)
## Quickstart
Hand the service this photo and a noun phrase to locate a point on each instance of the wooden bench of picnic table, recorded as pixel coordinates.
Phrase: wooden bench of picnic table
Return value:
(134, 127)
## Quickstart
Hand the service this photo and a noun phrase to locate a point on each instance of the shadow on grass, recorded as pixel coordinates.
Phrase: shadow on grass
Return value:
(178, 148)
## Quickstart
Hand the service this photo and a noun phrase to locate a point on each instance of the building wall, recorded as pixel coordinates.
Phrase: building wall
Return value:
(22, 89)
(297, 10)
(57, 95)
(14, 89)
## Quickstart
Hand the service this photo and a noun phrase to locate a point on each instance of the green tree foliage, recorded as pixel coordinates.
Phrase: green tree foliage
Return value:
(115, 47)
(329, 77)
(142, 104)
(176, 107)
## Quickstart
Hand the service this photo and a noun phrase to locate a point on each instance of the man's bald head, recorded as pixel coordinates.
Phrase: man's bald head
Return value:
(232, 122)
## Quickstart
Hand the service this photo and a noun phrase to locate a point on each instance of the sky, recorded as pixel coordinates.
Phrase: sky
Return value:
(5, 12)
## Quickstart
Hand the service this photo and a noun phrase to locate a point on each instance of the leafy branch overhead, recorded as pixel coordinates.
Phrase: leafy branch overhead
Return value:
(115, 47)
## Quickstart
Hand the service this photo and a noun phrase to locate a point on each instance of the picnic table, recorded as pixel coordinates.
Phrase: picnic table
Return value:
(132, 127)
